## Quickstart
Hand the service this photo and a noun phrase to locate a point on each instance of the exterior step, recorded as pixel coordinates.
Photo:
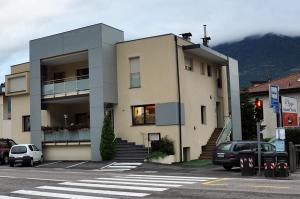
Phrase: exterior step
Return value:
(209, 148)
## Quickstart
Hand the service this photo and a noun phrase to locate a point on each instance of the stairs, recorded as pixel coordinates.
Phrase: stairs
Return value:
(208, 149)
(129, 151)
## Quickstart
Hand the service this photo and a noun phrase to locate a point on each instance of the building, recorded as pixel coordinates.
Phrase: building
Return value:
(5, 114)
(162, 84)
(289, 87)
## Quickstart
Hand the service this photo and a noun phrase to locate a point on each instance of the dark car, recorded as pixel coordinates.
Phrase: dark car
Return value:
(227, 153)
(5, 145)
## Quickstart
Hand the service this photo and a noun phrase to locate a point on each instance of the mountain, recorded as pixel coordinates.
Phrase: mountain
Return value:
(263, 57)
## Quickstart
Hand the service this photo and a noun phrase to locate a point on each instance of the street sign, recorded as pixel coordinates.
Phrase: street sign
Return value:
(280, 146)
(289, 111)
(274, 97)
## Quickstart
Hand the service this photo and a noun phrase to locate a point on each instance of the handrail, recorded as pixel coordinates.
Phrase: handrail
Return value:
(226, 131)
(66, 79)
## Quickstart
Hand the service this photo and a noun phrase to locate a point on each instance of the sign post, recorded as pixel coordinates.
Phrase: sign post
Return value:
(258, 123)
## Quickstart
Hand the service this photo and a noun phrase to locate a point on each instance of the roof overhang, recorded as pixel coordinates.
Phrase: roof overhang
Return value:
(207, 53)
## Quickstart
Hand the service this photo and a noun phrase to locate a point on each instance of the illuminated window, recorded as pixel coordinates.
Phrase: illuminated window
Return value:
(144, 114)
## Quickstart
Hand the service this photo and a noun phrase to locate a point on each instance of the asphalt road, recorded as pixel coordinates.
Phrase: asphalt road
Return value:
(139, 181)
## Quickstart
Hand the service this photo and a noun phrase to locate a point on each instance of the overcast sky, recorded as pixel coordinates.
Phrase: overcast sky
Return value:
(227, 20)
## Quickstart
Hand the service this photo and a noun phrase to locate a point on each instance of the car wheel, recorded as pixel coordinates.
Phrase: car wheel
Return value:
(31, 163)
(227, 167)
(6, 160)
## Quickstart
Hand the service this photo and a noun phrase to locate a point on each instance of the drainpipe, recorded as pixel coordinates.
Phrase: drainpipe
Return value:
(179, 99)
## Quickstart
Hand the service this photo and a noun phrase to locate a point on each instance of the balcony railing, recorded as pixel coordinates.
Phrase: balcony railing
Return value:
(67, 86)
(81, 135)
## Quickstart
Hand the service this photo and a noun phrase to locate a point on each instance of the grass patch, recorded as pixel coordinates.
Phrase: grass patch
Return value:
(197, 163)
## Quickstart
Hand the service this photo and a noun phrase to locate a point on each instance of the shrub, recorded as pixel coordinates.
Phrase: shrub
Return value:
(156, 155)
(163, 145)
(107, 144)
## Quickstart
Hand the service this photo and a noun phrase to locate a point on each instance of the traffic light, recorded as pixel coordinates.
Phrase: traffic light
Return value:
(259, 109)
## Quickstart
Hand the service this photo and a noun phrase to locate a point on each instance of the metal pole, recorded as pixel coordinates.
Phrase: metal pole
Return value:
(258, 147)
(280, 115)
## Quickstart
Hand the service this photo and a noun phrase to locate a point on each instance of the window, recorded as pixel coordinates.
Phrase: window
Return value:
(241, 147)
(26, 123)
(35, 148)
(11, 143)
(135, 80)
(224, 146)
(30, 148)
(188, 63)
(219, 77)
(3, 144)
(203, 114)
(202, 69)
(144, 114)
(18, 150)
(82, 73)
(59, 77)
(208, 70)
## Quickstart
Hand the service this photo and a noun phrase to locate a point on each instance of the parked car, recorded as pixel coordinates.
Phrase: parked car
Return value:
(5, 145)
(227, 153)
(26, 154)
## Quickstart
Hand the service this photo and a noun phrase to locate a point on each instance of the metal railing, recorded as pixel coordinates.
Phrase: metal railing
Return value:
(66, 85)
(67, 136)
(226, 131)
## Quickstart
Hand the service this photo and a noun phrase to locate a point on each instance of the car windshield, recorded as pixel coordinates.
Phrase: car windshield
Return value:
(19, 150)
(224, 146)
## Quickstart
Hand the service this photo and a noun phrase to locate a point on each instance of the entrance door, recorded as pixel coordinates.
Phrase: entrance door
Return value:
(219, 115)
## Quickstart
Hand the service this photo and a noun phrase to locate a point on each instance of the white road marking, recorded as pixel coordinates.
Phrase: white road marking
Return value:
(114, 186)
(178, 177)
(74, 165)
(10, 197)
(56, 195)
(113, 170)
(129, 179)
(120, 166)
(41, 179)
(41, 165)
(111, 181)
(107, 192)
(128, 163)
(107, 165)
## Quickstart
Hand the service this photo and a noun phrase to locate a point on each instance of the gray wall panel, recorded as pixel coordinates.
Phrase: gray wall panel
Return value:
(234, 97)
(167, 114)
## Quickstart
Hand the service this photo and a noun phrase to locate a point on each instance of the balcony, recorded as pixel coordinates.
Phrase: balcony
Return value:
(66, 87)
(52, 135)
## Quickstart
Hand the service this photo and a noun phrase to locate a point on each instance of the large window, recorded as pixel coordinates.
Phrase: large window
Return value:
(135, 80)
(26, 123)
(144, 114)
(208, 70)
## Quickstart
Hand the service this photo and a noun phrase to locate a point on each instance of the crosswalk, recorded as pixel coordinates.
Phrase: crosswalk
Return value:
(118, 186)
(120, 166)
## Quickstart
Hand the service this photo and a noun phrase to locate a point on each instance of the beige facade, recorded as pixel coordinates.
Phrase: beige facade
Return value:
(5, 122)
(158, 79)
(163, 70)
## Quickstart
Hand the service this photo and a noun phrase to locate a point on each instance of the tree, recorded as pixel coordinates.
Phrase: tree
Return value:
(247, 117)
(107, 143)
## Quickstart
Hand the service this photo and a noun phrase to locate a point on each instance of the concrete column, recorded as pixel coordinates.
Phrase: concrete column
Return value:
(96, 100)
(234, 95)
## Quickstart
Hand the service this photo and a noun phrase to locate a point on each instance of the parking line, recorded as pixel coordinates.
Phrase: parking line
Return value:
(213, 182)
(107, 165)
(109, 181)
(74, 165)
(48, 164)
(10, 197)
(269, 186)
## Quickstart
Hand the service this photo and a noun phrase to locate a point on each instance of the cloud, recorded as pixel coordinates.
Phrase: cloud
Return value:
(228, 20)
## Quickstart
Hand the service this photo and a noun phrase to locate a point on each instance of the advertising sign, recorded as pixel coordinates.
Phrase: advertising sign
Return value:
(274, 97)
(289, 111)
(280, 146)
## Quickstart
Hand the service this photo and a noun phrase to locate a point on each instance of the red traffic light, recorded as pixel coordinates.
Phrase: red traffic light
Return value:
(258, 104)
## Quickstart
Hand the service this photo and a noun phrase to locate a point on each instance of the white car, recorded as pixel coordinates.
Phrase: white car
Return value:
(26, 154)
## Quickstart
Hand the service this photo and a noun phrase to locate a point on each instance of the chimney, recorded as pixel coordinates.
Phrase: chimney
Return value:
(205, 38)
(186, 36)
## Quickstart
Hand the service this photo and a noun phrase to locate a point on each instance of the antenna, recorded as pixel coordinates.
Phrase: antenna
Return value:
(205, 38)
